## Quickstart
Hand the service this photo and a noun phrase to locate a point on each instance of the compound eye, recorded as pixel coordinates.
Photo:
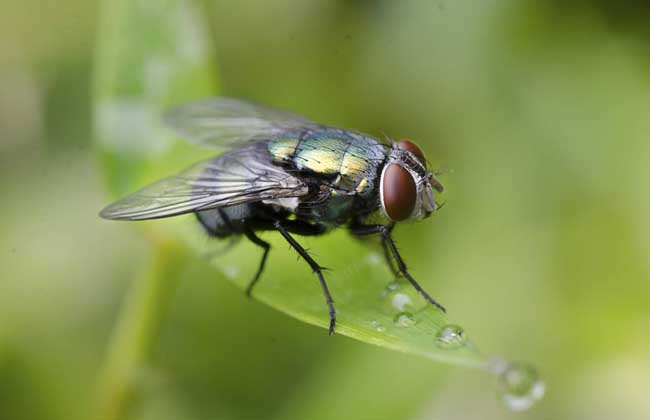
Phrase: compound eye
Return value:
(398, 192)
(409, 146)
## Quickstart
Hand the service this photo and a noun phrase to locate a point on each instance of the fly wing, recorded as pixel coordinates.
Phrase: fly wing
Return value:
(240, 176)
(222, 122)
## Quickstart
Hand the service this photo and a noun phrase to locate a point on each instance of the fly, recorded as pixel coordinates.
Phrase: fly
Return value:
(288, 174)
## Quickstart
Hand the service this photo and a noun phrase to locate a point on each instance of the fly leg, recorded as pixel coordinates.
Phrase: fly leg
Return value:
(385, 232)
(262, 244)
(387, 255)
(316, 268)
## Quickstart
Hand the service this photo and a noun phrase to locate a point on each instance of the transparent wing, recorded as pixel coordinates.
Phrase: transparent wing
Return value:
(240, 176)
(221, 122)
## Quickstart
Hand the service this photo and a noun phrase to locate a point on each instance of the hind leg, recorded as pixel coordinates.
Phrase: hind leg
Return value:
(262, 244)
(219, 223)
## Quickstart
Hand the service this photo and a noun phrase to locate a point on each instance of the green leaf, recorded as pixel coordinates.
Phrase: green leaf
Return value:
(371, 306)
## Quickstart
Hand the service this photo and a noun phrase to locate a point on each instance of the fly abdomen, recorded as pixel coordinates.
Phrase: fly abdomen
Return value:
(224, 221)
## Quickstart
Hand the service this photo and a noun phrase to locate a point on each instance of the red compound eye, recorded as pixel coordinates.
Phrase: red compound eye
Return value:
(398, 192)
(408, 145)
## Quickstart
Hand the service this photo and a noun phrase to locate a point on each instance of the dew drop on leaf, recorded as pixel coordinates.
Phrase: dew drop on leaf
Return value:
(451, 337)
(404, 319)
(401, 298)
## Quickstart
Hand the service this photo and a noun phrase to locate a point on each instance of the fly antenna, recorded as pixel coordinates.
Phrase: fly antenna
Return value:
(443, 171)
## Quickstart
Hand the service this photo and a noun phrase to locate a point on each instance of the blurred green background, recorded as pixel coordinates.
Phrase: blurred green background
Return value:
(541, 111)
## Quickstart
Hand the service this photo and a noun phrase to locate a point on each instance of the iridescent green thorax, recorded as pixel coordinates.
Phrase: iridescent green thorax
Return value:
(349, 160)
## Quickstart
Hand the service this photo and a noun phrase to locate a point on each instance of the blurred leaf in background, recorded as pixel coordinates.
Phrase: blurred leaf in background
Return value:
(150, 54)
(540, 109)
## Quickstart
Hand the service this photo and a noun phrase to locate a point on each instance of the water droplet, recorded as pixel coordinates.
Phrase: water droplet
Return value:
(402, 298)
(377, 326)
(451, 337)
(520, 386)
(404, 319)
(400, 301)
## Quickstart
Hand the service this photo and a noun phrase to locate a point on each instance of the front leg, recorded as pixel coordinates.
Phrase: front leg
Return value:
(387, 238)
(361, 230)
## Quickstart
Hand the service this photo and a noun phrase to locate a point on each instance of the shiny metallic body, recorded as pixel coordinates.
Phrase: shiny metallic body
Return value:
(340, 170)
(291, 175)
